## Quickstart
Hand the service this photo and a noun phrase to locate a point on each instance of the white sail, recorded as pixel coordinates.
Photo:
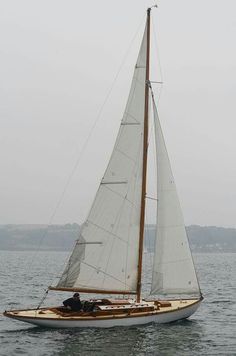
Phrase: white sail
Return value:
(173, 268)
(106, 254)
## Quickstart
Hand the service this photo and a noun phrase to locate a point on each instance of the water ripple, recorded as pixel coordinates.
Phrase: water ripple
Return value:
(211, 331)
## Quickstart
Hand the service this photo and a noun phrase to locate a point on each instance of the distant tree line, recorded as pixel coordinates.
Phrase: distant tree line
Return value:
(62, 237)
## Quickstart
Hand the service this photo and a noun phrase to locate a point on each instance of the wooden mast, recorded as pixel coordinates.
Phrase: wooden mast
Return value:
(145, 150)
(143, 193)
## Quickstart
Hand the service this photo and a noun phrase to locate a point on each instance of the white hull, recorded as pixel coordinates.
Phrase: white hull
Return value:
(160, 316)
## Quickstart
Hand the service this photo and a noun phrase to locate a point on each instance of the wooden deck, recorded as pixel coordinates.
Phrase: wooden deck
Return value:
(105, 311)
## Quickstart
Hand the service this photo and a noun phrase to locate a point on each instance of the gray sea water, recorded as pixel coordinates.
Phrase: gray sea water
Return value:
(210, 331)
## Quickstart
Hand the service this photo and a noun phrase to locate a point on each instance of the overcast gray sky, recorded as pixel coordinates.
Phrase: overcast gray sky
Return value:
(58, 60)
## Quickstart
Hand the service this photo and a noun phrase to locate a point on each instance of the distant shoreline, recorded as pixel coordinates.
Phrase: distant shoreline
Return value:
(66, 251)
(203, 239)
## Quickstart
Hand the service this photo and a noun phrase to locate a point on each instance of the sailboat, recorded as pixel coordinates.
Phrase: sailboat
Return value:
(108, 256)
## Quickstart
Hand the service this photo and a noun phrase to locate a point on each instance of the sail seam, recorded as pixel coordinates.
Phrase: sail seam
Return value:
(175, 261)
(123, 153)
(124, 198)
(169, 226)
(103, 272)
(132, 117)
(109, 232)
(120, 195)
(117, 223)
(130, 123)
(118, 217)
(171, 238)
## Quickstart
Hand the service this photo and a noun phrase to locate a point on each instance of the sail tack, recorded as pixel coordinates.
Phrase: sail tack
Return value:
(173, 268)
(106, 254)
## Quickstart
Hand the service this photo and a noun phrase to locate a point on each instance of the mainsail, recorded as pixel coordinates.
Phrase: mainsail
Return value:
(173, 268)
(105, 257)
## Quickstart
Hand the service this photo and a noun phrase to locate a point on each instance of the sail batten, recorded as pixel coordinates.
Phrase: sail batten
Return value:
(107, 256)
(108, 253)
(114, 218)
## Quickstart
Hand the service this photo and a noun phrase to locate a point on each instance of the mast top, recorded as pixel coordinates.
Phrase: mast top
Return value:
(150, 8)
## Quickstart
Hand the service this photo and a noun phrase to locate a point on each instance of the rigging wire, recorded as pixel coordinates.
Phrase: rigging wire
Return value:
(87, 140)
(43, 298)
(116, 78)
(85, 145)
(78, 160)
(157, 53)
(159, 82)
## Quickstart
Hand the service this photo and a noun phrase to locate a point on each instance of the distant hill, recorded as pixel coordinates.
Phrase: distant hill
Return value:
(62, 237)
(33, 237)
(202, 238)
(212, 238)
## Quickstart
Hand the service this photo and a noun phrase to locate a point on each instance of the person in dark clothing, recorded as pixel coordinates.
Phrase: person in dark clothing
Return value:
(74, 303)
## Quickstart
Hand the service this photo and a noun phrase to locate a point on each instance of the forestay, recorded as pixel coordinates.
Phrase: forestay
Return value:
(173, 268)
(106, 254)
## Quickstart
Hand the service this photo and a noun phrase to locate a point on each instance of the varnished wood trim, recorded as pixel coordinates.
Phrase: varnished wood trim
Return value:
(88, 290)
(144, 174)
(6, 313)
